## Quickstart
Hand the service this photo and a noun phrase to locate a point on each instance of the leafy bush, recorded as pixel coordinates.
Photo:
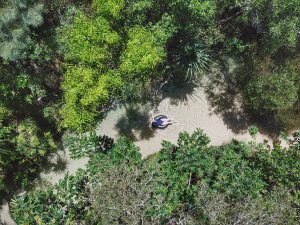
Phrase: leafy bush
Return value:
(104, 62)
(280, 166)
(85, 91)
(122, 152)
(69, 201)
(86, 145)
(225, 169)
(66, 203)
(23, 148)
(87, 41)
(253, 130)
(272, 92)
(191, 182)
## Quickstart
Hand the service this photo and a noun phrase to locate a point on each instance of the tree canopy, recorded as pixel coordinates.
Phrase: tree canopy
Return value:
(190, 181)
(64, 64)
(18, 19)
(100, 69)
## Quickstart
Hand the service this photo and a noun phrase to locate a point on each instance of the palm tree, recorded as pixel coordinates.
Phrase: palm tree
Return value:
(191, 59)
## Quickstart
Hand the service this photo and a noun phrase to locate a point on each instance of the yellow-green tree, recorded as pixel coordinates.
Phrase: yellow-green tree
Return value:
(105, 61)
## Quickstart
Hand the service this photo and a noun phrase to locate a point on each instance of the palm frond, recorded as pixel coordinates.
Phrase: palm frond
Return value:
(192, 60)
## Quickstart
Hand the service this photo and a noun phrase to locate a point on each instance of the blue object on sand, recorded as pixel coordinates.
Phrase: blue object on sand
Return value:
(158, 122)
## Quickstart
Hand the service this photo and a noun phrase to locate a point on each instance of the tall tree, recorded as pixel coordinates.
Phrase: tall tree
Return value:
(18, 18)
(107, 61)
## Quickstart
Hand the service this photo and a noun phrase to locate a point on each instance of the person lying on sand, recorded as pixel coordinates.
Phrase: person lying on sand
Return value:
(161, 121)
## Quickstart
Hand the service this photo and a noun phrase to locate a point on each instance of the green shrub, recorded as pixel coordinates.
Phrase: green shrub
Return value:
(253, 130)
(225, 169)
(65, 203)
(272, 92)
(190, 181)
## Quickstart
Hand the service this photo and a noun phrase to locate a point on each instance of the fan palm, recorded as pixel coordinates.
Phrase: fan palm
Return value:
(192, 59)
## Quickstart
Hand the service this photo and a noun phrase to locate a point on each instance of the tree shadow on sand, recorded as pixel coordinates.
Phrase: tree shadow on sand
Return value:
(135, 123)
(180, 93)
(224, 91)
(227, 102)
(55, 163)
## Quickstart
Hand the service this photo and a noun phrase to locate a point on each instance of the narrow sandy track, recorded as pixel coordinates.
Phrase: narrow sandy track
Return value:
(191, 107)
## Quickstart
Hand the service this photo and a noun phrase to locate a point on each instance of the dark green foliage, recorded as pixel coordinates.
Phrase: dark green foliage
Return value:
(264, 36)
(29, 81)
(110, 50)
(179, 168)
(253, 130)
(19, 89)
(23, 147)
(190, 181)
(225, 169)
(28, 137)
(273, 24)
(69, 201)
(272, 92)
(277, 21)
(66, 203)
(280, 166)
(123, 152)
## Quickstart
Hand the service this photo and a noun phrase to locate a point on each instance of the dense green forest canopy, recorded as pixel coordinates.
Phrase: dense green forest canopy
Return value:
(191, 182)
(64, 63)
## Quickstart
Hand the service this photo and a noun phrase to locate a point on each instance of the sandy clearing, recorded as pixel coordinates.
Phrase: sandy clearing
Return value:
(191, 105)
(60, 165)
(191, 110)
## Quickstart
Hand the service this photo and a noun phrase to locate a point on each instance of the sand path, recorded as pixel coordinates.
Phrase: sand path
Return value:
(203, 106)
(191, 107)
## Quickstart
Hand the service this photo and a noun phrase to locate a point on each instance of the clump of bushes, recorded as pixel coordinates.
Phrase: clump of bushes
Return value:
(190, 181)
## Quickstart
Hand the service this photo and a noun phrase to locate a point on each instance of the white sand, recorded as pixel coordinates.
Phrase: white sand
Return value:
(5, 217)
(191, 110)
(190, 106)
(203, 106)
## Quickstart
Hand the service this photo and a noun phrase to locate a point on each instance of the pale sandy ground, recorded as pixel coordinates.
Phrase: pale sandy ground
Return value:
(5, 217)
(191, 107)
(62, 164)
(192, 111)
